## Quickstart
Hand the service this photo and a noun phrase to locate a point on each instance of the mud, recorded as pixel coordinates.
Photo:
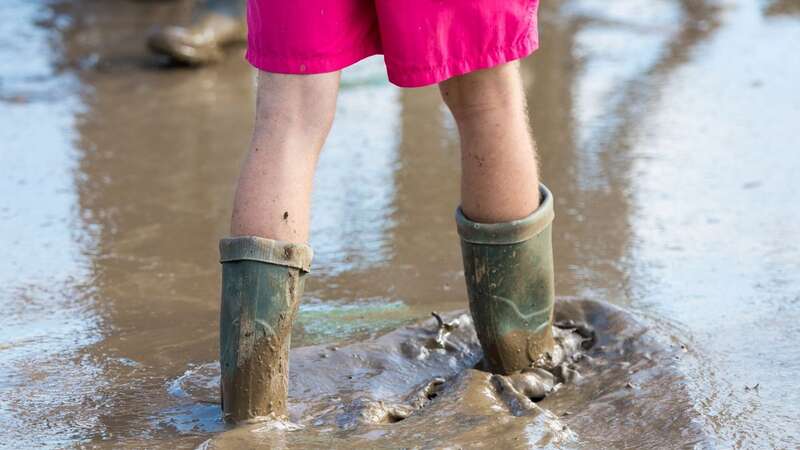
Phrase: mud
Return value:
(666, 132)
(265, 372)
(404, 390)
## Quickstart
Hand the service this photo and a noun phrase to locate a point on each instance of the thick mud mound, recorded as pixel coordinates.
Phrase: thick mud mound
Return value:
(610, 384)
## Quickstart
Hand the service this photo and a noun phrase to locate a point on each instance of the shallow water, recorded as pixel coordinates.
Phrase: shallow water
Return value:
(667, 132)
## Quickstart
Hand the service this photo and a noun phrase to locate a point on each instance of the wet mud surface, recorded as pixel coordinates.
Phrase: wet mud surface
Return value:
(411, 388)
(666, 131)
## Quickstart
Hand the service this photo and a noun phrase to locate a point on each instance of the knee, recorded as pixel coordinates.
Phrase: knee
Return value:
(481, 93)
(303, 104)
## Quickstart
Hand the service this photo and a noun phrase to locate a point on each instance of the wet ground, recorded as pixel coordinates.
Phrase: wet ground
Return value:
(667, 131)
(417, 387)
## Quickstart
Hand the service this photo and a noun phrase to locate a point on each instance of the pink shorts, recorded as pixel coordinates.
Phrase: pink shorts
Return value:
(423, 41)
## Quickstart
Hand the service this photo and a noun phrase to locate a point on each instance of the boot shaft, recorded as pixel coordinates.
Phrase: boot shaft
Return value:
(262, 282)
(508, 269)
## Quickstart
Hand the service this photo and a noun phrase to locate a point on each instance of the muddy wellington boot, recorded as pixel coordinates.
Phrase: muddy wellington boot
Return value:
(215, 25)
(262, 282)
(509, 272)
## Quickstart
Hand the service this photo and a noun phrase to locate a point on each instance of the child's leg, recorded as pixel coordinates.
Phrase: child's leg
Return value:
(499, 180)
(265, 261)
(293, 116)
(504, 219)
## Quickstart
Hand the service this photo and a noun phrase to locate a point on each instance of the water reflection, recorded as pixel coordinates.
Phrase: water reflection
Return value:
(109, 287)
(46, 291)
(781, 7)
(353, 188)
(713, 193)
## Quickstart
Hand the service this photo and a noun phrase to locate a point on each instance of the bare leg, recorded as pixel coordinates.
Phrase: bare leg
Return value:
(500, 179)
(265, 261)
(294, 114)
(508, 263)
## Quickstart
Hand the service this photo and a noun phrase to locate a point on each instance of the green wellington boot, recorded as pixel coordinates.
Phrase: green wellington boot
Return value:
(509, 272)
(262, 282)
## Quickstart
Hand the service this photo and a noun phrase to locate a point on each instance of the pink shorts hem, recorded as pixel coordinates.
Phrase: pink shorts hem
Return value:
(424, 76)
(308, 66)
(398, 75)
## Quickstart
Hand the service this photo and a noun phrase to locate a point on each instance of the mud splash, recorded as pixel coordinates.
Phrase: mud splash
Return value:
(411, 387)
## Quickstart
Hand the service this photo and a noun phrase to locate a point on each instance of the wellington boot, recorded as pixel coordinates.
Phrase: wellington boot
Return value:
(262, 282)
(509, 273)
(216, 24)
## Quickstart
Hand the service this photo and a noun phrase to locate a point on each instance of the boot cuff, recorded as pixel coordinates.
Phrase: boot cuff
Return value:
(508, 232)
(270, 251)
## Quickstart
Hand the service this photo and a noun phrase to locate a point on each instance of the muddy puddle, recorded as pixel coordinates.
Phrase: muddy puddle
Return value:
(419, 387)
(666, 130)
